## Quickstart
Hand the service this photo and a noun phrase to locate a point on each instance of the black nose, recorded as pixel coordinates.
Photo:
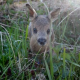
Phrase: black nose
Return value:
(42, 41)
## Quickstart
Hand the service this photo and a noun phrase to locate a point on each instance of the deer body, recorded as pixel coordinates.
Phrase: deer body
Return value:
(39, 30)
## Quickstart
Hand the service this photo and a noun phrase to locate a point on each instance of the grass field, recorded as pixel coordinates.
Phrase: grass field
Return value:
(16, 60)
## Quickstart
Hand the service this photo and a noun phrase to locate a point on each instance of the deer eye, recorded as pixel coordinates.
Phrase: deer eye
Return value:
(48, 31)
(35, 30)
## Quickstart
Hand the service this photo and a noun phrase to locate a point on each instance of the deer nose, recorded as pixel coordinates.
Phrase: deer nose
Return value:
(41, 41)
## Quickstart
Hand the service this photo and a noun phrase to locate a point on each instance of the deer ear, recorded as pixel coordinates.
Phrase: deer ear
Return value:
(54, 14)
(32, 12)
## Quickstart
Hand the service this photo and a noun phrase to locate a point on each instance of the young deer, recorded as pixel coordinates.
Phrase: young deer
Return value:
(39, 30)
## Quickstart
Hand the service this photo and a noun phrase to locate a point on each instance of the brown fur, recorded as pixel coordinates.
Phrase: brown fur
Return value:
(42, 23)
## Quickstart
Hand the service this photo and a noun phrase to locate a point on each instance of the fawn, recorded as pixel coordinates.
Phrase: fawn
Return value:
(39, 30)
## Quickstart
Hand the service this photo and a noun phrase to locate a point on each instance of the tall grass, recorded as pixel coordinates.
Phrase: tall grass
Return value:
(16, 62)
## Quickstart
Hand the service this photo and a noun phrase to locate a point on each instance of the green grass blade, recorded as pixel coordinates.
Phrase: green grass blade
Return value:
(64, 56)
(27, 32)
(75, 64)
(79, 56)
(51, 65)
(47, 68)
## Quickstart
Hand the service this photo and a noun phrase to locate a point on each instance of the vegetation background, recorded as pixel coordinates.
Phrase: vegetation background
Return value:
(16, 60)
